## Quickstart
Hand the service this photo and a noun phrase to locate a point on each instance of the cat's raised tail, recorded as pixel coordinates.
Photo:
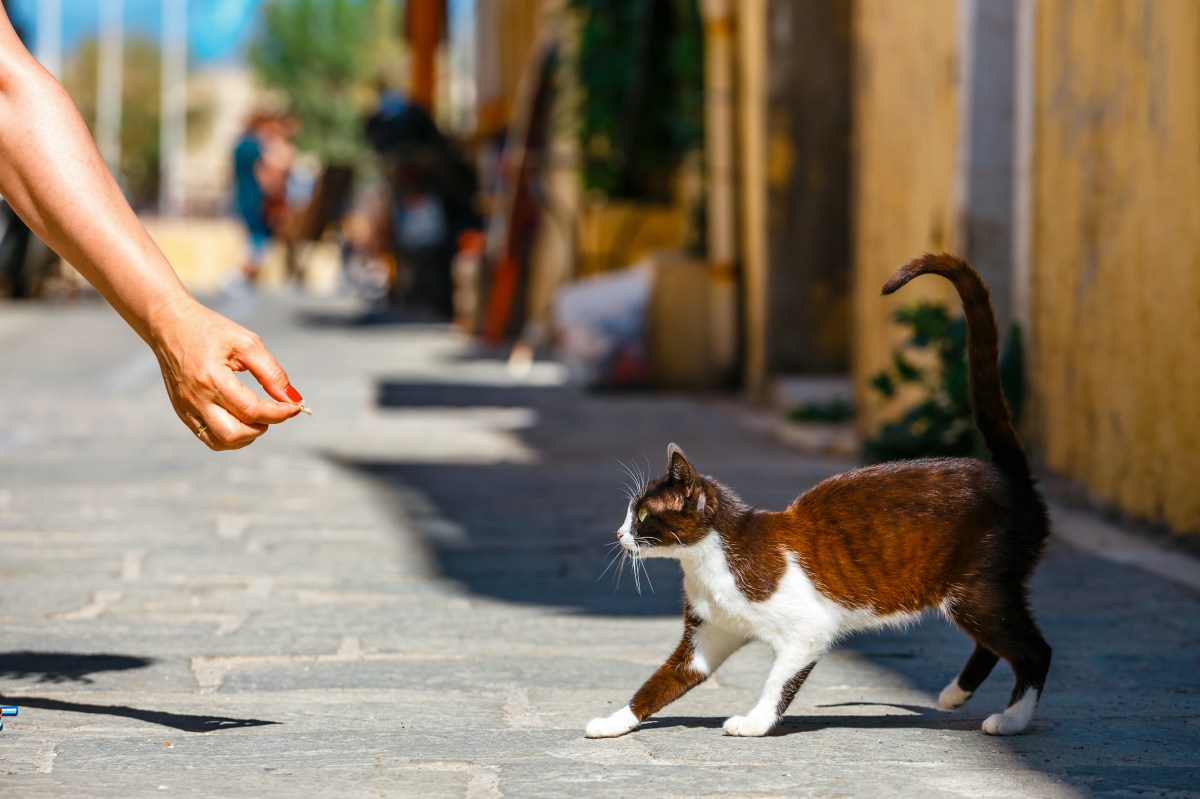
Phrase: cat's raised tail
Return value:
(992, 416)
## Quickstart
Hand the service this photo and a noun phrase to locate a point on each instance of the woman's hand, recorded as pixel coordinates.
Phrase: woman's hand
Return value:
(199, 350)
(53, 176)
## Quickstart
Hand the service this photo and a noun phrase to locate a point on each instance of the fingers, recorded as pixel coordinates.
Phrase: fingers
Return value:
(255, 357)
(242, 403)
(219, 430)
(199, 352)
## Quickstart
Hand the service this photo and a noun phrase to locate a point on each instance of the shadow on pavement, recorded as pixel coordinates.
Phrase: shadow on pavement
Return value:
(178, 721)
(495, 539)
(60, 667)
(68, 667)
(920, 718)
(372, 317)
(537, 530)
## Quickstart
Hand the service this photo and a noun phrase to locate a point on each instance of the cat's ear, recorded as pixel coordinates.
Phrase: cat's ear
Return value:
(679, 468)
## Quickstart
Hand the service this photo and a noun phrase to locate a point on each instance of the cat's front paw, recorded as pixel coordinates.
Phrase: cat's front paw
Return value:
(748, 726)
(618, 723)
(953, 697)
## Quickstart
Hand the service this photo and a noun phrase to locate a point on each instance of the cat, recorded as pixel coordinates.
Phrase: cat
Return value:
(868, 548)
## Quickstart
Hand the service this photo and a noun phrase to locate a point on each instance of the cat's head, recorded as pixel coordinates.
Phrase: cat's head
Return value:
(670, 513)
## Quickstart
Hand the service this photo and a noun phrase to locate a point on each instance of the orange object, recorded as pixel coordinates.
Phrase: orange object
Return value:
(472, 241)
(504, 292)
(425, 26)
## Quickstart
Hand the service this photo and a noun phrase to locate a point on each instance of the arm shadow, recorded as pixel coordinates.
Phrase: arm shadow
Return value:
(179, 721)
(74, 667)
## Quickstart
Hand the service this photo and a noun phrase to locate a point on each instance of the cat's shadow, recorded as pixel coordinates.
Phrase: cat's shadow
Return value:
(916, 717)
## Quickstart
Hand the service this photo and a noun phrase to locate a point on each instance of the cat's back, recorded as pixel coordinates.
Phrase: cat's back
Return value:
(913, 525)
(928, 486)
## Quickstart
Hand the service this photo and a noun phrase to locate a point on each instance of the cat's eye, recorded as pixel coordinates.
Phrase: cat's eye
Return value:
(642, 514)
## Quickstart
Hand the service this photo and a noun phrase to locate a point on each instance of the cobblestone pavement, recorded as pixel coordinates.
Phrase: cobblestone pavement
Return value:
(400, 597)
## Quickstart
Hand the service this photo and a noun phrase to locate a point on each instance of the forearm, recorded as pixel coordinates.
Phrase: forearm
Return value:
(55, 179)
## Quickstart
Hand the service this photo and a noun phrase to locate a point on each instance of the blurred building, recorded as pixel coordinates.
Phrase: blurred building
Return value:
(1055, 144)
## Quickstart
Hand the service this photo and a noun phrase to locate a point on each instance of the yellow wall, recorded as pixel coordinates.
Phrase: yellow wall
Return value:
(204, 252)
(1115, 294)
(906, 121)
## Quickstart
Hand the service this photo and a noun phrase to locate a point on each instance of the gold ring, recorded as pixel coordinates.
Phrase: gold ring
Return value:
(200, 430)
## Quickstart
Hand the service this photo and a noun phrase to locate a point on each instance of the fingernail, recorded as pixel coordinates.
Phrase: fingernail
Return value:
(293, 394)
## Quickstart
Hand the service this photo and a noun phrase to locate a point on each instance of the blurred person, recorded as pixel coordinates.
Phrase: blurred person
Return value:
(263, 160)
(433, 190)
(250, 194)
(275, 169)
(53, 176)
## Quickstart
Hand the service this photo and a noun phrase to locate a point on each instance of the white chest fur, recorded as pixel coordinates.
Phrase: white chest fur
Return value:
(796, 610)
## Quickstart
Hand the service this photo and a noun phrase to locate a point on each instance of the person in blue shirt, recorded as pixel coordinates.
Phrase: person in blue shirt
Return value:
(249, 195)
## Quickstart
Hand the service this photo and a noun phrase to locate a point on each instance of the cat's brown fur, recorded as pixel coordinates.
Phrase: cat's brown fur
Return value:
(871, 546)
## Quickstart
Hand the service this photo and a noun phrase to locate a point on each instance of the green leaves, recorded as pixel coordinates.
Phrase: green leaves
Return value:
(905, 370)
(884, 384)
(639, 75)
(323, 55)
(834, 411)
(940, 423)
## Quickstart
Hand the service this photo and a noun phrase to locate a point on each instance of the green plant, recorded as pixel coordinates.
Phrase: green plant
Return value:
(834, 411)
(324, 56)
(638, 73)
(940, 423)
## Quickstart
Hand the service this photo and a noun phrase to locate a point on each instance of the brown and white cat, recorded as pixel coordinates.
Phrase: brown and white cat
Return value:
(868, 548)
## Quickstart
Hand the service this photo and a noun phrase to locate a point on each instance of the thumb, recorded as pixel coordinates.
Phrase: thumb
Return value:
(259, 361)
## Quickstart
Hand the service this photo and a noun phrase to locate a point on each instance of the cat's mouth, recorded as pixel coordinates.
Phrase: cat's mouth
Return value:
(628, 542)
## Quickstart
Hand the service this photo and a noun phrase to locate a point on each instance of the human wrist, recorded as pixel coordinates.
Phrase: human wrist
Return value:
(163, 321)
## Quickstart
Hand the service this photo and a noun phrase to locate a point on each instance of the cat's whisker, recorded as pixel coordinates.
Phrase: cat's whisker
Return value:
(633, 491)
(620, 463)
(620, 572)
(646, 572)
(612, 560)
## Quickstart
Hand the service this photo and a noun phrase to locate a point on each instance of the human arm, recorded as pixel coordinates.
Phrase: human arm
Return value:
(54, 178)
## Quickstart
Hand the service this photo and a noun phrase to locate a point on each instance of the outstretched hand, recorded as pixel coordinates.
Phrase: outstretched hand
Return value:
(199, 350)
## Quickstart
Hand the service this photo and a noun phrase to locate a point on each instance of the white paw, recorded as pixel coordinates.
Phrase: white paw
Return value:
(952, 696)
(1015, 718)
(1003, 724)
(748, 726)
(618, 723)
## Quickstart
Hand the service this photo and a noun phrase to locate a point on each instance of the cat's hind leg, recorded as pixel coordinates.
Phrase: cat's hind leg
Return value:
(977, 669)
(789, 671)
(1011, 633)
(703, 649)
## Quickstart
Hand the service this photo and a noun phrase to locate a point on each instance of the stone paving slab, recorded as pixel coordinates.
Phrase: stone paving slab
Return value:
(403, 596)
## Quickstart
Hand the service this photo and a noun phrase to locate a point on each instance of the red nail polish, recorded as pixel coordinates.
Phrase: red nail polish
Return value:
(293, 394)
